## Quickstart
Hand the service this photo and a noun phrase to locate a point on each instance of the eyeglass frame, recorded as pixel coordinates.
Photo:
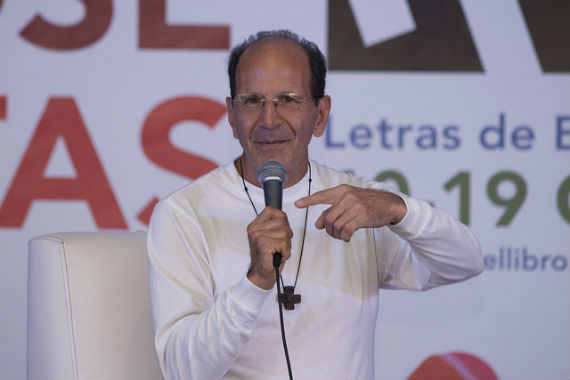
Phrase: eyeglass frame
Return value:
(299, 99)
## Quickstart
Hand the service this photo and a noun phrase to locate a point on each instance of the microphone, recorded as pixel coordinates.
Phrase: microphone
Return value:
(272, 176)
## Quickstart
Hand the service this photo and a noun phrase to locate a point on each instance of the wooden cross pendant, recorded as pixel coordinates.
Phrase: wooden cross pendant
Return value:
(289, 299)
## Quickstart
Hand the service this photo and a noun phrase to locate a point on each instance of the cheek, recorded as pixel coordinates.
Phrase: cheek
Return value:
(241, 129)
(307, 128)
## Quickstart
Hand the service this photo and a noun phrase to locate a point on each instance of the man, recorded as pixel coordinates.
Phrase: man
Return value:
(211, 244)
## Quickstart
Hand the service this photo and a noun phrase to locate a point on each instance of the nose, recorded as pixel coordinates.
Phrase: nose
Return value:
(269, 115)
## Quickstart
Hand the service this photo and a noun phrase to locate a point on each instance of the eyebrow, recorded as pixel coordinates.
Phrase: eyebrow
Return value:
(278, 94)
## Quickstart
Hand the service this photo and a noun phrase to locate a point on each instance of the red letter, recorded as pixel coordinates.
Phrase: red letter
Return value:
(98, 14)
(155, 33)
(61, 118)
(160, 121)
(2, 104)
(160, 150)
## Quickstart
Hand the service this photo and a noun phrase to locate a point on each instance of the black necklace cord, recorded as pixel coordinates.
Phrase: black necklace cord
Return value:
(304, 234)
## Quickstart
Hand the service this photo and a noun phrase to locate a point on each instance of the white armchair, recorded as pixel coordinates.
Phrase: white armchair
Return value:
(89, 308)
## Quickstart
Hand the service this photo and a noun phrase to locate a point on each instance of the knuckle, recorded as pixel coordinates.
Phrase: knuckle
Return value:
(253, 236)
(368, 215)
(338, 226)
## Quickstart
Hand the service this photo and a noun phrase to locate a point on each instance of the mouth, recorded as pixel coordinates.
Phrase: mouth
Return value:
(271, 143)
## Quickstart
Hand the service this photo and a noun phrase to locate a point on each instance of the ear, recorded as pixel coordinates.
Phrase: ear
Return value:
(231, 120)
(323, 110)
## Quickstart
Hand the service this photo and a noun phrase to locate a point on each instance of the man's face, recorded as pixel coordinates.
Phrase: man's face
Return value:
(269, 69)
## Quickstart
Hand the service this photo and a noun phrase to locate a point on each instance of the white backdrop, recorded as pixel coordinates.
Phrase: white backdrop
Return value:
(490, 146)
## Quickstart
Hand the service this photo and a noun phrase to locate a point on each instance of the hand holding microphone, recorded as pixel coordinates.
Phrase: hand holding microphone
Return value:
(272, 176)
(269, 234)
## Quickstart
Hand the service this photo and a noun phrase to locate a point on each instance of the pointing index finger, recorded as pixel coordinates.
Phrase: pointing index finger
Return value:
(320, 197)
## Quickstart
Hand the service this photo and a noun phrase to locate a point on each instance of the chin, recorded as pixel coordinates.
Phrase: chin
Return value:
(273, 157)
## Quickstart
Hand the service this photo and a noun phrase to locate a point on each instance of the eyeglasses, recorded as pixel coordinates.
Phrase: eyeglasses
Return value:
(284, 103)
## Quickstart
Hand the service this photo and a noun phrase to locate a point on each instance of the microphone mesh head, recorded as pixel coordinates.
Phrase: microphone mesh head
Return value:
(272, 170)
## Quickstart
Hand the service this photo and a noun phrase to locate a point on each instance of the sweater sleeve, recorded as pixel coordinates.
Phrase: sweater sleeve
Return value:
(197, 335)
(426, 249)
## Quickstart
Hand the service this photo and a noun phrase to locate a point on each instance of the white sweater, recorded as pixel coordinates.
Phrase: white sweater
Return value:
(211, 322)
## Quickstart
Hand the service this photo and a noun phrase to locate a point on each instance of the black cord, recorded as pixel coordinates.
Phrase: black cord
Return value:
(276, 263)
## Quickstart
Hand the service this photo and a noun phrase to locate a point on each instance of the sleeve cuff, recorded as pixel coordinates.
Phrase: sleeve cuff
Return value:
(248, 295)
(414, 221)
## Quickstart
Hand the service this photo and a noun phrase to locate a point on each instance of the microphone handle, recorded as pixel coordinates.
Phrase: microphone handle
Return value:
(276, 260)
(273, 192)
